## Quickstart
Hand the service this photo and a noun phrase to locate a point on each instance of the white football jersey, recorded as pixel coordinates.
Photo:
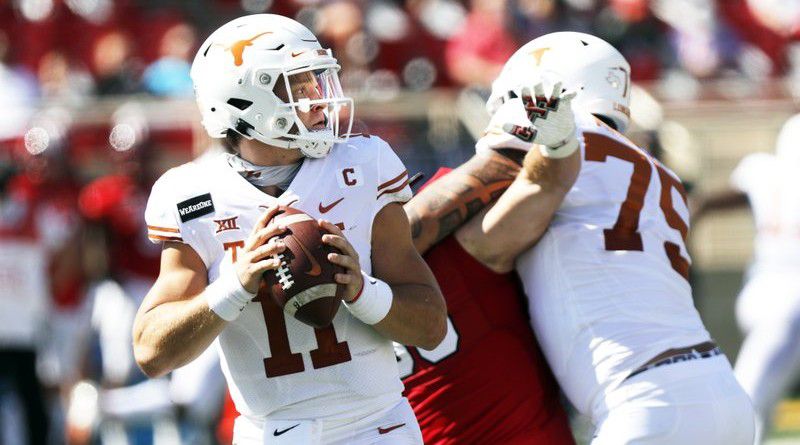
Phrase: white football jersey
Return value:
(275, 365)
(607, 283)
(772, 185)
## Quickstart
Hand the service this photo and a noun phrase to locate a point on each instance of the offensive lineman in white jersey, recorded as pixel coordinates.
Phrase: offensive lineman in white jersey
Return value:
(265, 83)
(595, 228)
(768, 306)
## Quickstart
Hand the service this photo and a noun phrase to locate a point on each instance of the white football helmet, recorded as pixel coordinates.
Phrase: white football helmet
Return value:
(244, 68)
(583, 63)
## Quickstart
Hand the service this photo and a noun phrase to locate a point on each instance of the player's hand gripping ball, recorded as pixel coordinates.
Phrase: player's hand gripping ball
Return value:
(304, 285)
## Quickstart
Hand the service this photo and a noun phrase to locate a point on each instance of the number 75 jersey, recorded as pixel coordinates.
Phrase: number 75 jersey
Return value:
(275, 365)
(608, 281)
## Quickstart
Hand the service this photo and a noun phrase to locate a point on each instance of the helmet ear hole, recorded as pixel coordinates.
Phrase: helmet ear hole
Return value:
(241, 104)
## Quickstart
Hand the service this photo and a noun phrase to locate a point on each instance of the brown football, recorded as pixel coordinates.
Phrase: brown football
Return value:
(304, 284)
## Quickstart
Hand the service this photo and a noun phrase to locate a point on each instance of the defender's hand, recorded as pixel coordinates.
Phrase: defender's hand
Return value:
(348, 258)
(260, 251)
(552, 121)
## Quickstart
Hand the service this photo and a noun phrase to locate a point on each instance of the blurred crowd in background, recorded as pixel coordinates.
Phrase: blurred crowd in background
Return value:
(69, 50)
(96, 102)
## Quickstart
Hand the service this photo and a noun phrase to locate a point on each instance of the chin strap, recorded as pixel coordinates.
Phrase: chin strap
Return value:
(263, 176)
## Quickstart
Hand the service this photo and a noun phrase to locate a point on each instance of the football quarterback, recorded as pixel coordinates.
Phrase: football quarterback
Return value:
(265, 84)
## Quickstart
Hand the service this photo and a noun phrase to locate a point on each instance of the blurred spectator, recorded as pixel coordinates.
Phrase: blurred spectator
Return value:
(61, 82)
(123, 266)
(749, 29)
(19, 94)
(113, 67)
(169, 75)
(64, 337)
(338, 25)
(413, 48)
(631, 27)
(24, 305)
(782, 16)
(695, 34)
(476, 54)
(534, 18)
(125, 263)
(38, 274)
(53, 172)
(440, 18)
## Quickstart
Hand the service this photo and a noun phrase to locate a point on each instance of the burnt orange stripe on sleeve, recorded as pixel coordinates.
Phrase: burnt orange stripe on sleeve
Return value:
(396, 189)
(165, 238)
(163, 229)
(393, 180)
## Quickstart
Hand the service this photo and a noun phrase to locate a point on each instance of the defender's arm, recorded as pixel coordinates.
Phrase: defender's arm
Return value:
(523, 212)
(550, 168)
(445, 205)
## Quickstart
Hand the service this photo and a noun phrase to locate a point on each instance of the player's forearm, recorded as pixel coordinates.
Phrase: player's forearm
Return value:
(523, 213)
(552, 175)
(446, 204)
(412, 308)
(418, 316)
(172, 334)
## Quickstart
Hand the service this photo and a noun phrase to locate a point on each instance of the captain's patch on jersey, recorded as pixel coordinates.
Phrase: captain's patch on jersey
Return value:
(350, 177)
(195, 207)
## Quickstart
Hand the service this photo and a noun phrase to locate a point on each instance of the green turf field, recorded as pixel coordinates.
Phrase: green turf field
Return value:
(786, 428)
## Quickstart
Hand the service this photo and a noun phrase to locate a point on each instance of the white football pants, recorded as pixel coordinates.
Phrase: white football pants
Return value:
(696, 402)
(768, 311)
(394, 426)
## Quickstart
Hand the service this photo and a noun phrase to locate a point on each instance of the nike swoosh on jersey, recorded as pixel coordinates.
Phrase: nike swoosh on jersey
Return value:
(391, 428)
(315, 267)
(327, 208)
(277, 433)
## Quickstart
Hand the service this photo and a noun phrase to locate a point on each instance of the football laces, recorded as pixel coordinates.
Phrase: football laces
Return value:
(283, 273)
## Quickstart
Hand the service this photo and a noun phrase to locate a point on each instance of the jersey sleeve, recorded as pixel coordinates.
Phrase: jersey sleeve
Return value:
(161, 213)
(392, 178)
(748, 171)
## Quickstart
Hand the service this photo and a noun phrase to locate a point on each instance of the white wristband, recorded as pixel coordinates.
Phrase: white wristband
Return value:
(373, 302)
(564, 149)
(226, 296)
